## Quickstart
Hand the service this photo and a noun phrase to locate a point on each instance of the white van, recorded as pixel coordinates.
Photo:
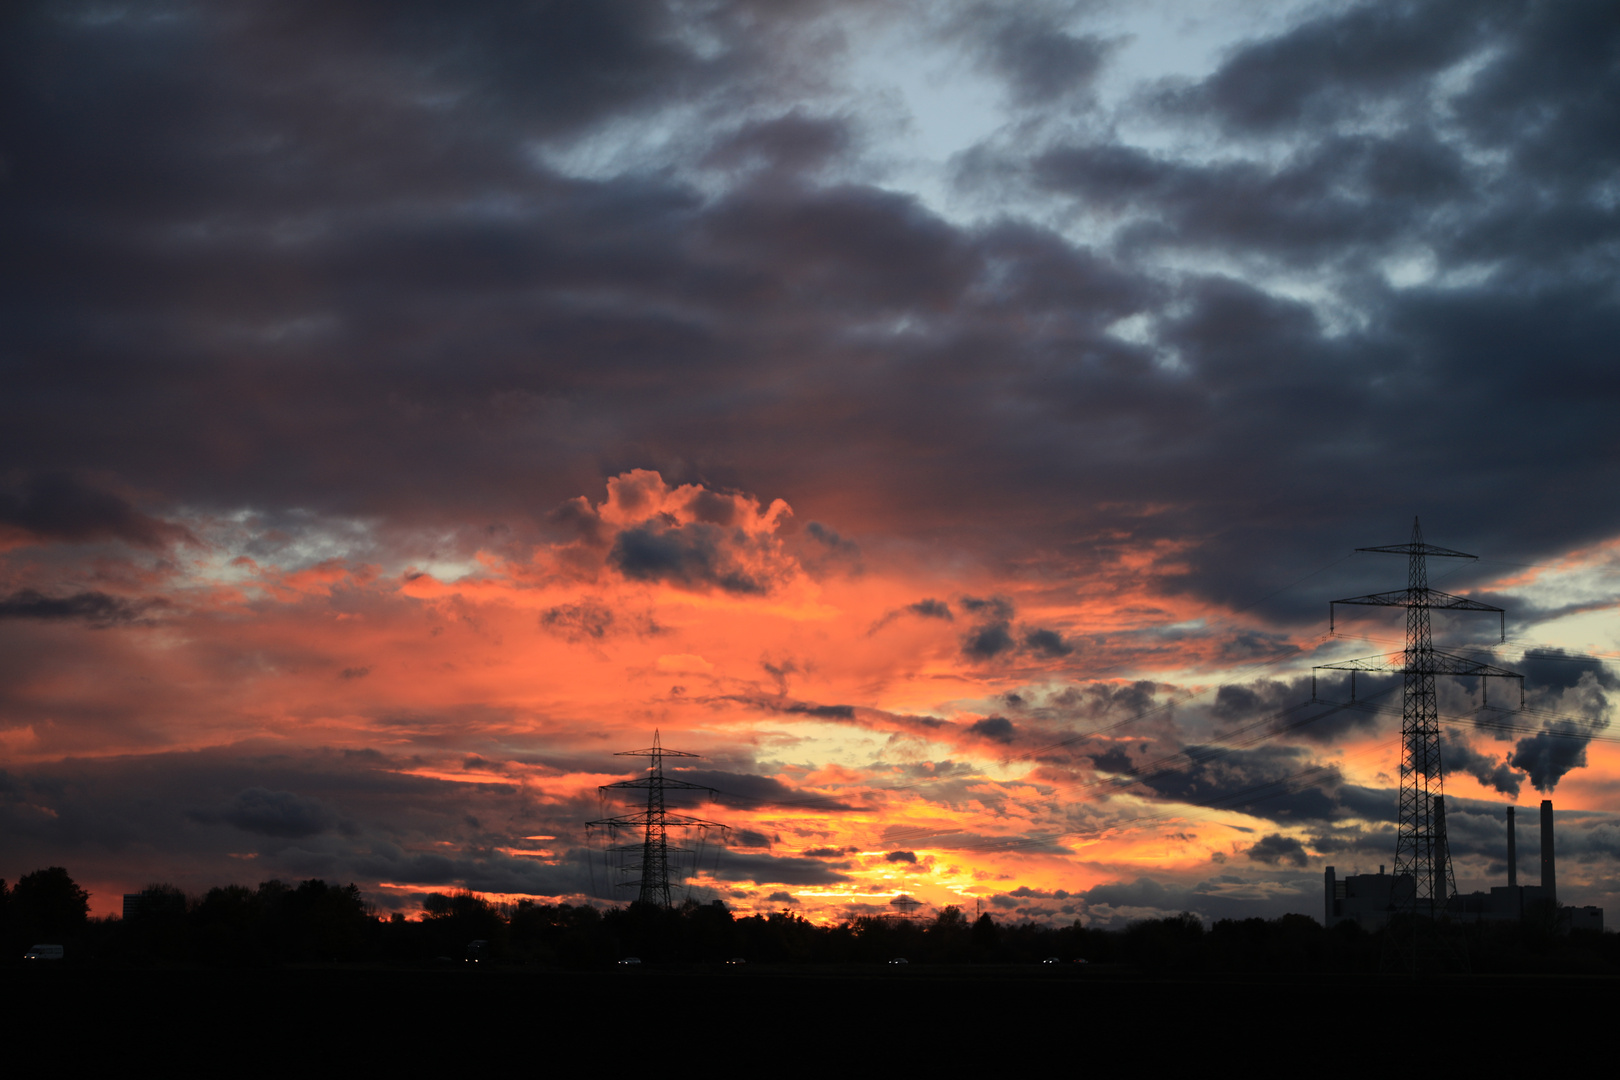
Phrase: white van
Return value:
(44, 952)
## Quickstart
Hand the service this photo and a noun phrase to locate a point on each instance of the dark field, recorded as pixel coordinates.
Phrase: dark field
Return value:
(792, 1018)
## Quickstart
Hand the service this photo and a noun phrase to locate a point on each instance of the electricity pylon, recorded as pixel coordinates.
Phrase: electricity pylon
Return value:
(653, 824)
(1421, 850)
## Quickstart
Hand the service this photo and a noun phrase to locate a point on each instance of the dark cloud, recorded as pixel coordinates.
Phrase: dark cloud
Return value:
(1274, 849)
(579, 622)
(998, 608)
(931, 609)
(1039, 61)
(1024, 892)
(777, 870)
(995, 728)
(901, 856)
(825, 712)
(1557, 669)
(829, 852)
(56, 506)
(281, 814)
(693, 555)
(1342, 62)
(1048, 643)
(794, 144)
(988, 641)
(1272, 782)
(617, 319)
(751, 790)
(96, 608)
(831, 540)
(200, 818)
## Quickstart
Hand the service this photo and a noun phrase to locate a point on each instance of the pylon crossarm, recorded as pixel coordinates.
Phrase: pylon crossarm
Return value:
(1420, 548)
(1430, 598)
(658, 781)
(1385, 662)
(1433, 662)
(654, 751)
(1443, 663)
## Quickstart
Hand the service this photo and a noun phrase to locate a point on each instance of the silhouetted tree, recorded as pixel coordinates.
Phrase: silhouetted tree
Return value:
(986, 938)
(454, 921)
(48, 903)
(1174, 943)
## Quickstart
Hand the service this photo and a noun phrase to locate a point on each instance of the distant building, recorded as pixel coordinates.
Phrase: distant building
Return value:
(153, 901)
(1582, 918)
(1365, 899)
(1370, 899)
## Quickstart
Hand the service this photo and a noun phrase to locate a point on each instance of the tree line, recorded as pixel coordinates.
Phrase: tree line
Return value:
(314, 922)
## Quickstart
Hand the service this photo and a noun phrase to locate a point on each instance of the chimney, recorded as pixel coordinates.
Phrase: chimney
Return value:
(1442, 854)
(1549, 875)
(1513, 852)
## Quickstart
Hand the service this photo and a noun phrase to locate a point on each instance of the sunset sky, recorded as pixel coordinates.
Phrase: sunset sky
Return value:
(951, 420)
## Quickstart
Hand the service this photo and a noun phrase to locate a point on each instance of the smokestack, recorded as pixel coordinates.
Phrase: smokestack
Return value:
(1513, 851)
(1549, 874)
(1442, 854)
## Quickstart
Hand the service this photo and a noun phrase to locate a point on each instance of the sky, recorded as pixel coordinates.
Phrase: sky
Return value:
(949, 420)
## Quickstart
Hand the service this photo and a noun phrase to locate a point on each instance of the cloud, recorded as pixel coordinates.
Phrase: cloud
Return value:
(686, 535)
(792, 144)
(96, 608)
(54, 506)
(1039, 61)
(280, 814)
(995, 728)
(988, 641)
(579, 622)
(1047, 643)
(689, 556)
(1558, 669)
(829, 539)
(1338, 63)
(901, 856)
(777, 870)
(753, 790)
(1275, 849)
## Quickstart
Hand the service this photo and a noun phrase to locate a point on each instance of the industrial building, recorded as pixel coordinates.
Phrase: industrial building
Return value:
(1370, 899)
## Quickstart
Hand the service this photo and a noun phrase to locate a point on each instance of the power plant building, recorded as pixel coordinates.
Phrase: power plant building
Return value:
(1370, 899)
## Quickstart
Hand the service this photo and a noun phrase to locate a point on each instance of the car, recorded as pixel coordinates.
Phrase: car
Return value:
(736, 960)
(44, 952)
(899, 960)
(1051, 960)
(631, 960)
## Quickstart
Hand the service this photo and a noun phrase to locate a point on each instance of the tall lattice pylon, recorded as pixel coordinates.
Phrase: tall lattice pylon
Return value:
(1422, 854)
(651, 871)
